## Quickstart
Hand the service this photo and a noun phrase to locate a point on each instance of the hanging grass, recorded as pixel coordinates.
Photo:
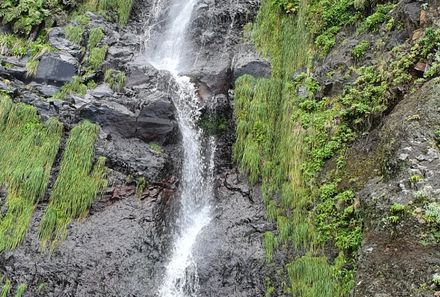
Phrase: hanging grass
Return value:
(77, 185)
(29, 148)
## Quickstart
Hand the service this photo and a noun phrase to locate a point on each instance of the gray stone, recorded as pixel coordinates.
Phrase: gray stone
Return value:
(247, 61)
(55, 69)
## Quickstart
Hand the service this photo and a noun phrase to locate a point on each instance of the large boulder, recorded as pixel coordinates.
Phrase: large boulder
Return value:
(56, 68)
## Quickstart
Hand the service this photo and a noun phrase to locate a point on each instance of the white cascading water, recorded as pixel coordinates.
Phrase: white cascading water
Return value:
(180, 279)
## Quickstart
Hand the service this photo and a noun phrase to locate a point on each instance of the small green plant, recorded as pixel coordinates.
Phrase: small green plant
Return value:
(156, 148)
(397, 208)
(213, 123)
(140, 187)
(6, 289)
(414, 179)
(380, 15)
(74, 33)
(115, 79)
(21, 290)
(432, 213)
(359, 50)
(32, 67)
(95, 37)
(96, 57)
(436, 279)
(76, 86)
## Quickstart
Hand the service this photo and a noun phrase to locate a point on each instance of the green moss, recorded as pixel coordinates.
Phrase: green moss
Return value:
(28, 149)
(77, 184)
(157, 148)
(213, 123)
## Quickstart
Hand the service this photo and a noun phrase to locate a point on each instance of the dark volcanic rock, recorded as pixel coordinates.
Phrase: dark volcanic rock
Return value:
(115, 252)
(394, 260)
(56, 69)
(247, 61)
(229, 251)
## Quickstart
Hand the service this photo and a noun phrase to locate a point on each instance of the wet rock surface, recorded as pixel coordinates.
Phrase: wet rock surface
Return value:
(229, 254)
(121, 247)
(398, 259)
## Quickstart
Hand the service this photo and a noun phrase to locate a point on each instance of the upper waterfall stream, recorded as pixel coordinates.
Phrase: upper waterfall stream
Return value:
(196, 189)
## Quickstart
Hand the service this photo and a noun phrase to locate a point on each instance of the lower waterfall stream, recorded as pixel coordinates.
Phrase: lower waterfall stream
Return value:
(196, 188)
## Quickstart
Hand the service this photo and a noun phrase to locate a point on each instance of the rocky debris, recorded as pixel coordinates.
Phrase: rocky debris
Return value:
(393, 259)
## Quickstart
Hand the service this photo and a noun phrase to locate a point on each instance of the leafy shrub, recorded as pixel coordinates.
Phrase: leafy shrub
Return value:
(360, 49)
(380, 16)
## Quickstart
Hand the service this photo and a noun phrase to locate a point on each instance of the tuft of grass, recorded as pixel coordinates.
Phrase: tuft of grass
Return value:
(6, 289)
(115, 79)
(21, 290)
(74, 33)
(78, 183)
(380, 16)
(29, 148)
(32, 67)
(96, 57)
(95, 37)
(140, 187)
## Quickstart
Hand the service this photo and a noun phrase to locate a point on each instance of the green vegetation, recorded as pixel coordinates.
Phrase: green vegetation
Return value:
(77, 184)
(21, 290)
(213, 123)
(156, 148)
(140, 187)
(76, 86)
(97, 57)
(360, 49)
(120, 9)
(381, 15)
(95, 37)
(6, 289)
(74, 33)
(28, 151)
(115, 79)
(25, 16)
(286, 135)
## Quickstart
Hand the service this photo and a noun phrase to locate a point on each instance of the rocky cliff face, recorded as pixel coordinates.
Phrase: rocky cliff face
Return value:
(121, 247)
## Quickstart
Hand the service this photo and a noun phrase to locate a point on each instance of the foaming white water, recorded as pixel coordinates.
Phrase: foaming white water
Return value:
(180, 279)
(167, 54)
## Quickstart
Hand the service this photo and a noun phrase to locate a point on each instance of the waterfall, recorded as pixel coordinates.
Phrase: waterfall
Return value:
(196, 190)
